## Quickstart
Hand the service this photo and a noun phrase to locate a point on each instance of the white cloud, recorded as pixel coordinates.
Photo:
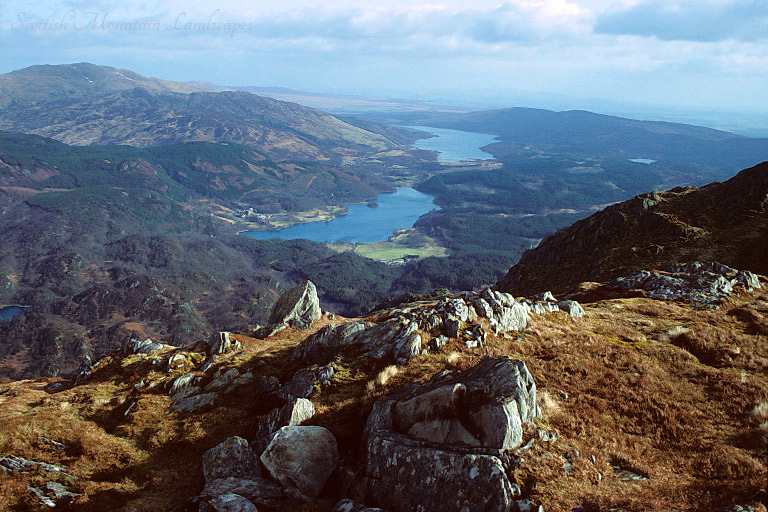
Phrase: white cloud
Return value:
(634, 48)
(700, 20)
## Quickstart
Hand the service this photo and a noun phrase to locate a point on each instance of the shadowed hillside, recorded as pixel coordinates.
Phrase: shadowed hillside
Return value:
(725, 222)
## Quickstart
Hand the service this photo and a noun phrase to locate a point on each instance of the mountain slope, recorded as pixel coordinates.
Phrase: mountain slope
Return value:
(232, 174)
(725, 222)
(636, 413)
(47, 83)
(108, 242)
(125, 108)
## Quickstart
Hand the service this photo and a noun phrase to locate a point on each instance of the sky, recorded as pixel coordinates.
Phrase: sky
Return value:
(697, 55)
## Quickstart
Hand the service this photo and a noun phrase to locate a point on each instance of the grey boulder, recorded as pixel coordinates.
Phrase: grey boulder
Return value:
(302, 458)
(229, 502)
(298, 307)
(232, 458)
(571, 307)
(220, 343)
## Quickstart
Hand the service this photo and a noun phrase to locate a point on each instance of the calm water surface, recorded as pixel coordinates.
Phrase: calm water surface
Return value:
(362, 224)
(455, 145)
(8, 313)
(396, 211)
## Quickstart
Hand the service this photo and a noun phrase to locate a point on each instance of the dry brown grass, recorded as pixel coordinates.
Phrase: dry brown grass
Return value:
(674, 394)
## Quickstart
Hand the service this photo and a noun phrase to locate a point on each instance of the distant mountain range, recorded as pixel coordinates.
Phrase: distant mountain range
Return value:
(681, 148)
(87, 104)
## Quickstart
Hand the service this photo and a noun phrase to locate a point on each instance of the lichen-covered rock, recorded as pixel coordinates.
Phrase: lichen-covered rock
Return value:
(452, 326)
(483, 406)
(323, 346)
(136, 346)
(407, 478)
(393, 338)
(232, 458)
(12, 463)
(229, 381)
(183, 382)
(512, 317)
(545, 297)
(298, 307)
(220, 343)
(457, 308)
(267, 384)
(259, 491)
(386, 339)
(437, 445)
(302, 385)
(406, 348)
(302, 458)
(189, 401)
(347, 505)
(571, 307)
(229, 502)
(542, 308)
(293, 413)
(178, 362)
(703, 283)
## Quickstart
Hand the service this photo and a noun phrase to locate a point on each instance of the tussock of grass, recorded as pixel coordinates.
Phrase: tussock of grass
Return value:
(382, 378)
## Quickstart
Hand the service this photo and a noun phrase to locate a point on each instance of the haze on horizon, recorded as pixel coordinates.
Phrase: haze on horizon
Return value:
(677, 57)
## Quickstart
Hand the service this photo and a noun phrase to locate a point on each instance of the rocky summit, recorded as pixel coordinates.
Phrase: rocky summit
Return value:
(473, 401)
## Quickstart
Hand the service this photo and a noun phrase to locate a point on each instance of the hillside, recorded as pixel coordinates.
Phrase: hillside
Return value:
(725, 222)
(639, 405)
(234, 175)
(49, 83)
(84, 104)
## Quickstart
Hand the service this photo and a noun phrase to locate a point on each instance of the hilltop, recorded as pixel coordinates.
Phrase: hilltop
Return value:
(84, 104)
(725, 222)
(53, 83)
(639, 404)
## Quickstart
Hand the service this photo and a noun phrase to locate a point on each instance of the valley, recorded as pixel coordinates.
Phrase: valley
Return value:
(168, 210)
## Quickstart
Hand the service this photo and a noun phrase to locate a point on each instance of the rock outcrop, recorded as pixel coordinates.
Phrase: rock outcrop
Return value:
(229, 502)
(232, 458)
(220, 343)
(397, 337)
(703, 283)
(291, 414)
(262, 492)
(298, 307)
(301, 458)
(441, 444)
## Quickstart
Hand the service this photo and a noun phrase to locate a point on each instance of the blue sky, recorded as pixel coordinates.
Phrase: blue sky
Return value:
(701, 55)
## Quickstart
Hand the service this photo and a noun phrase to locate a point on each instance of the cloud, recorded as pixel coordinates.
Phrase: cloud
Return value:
(703, 21)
